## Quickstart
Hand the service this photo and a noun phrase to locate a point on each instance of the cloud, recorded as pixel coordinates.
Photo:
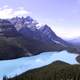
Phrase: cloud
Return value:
(6, 12)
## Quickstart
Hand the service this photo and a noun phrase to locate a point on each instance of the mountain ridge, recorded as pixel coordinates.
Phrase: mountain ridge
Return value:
(23, 32)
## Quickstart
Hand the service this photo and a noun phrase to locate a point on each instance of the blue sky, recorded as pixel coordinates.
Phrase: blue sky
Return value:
(63, 16)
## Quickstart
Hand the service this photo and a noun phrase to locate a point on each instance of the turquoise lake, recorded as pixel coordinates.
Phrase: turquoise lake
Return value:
(14, 67)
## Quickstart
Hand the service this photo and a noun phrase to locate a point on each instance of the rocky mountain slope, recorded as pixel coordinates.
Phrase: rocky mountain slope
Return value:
(27, 36)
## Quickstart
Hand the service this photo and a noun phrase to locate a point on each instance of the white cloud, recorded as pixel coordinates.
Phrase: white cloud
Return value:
(20, 13)
(6, 12)
(5, 6)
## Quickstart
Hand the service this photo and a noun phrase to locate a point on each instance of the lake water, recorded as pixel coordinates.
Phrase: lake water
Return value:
(14, 67)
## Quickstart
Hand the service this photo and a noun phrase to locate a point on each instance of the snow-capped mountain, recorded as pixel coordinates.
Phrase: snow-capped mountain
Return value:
(46, 30)
(25, 34)
(43, 35)
(37, 40)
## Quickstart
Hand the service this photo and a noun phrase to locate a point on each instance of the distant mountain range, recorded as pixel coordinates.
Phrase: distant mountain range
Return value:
(57, 70)
(23, 37)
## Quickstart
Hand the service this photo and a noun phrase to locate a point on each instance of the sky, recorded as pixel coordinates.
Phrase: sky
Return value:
(63, 16)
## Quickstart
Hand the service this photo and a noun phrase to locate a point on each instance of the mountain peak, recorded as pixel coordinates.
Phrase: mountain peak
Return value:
(45, 27)
(47, 31)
